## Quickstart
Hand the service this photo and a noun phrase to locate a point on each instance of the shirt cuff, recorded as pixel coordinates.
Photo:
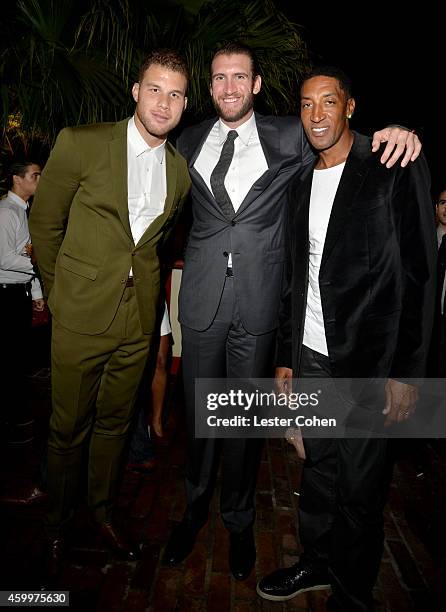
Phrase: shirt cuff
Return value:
(36, 289)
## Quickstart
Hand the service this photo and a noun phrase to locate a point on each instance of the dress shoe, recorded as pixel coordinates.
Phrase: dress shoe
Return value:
(242, 554)
(24, 495)
(286, 583)
(117, 543)
(56, 549)
(145, 467)
(180, 544)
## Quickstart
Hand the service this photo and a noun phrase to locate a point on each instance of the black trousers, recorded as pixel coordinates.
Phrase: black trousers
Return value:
(224, 350)
(16, 318)
(343, 493)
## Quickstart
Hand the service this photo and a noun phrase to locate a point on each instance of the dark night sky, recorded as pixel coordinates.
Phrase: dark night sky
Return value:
(396, 62)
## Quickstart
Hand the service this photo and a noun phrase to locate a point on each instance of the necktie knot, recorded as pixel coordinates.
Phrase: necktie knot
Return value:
(232, 135)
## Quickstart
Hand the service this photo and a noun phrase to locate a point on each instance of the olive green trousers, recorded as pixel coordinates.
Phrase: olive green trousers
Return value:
(94, 385)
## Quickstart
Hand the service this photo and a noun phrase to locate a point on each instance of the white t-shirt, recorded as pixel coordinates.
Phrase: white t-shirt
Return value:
(323, 191)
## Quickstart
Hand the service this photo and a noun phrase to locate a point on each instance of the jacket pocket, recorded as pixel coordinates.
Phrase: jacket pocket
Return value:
(77, 266)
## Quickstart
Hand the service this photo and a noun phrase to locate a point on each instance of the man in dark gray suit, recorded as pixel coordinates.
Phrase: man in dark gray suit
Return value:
(240, 166)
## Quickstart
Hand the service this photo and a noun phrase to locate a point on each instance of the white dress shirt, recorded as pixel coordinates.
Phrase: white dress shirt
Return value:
(440, 233)
(146, 184)
(15, 264)
(247, 166)
(323, 191)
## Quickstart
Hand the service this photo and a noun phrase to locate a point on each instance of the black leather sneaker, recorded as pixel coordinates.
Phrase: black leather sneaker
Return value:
(286, 583)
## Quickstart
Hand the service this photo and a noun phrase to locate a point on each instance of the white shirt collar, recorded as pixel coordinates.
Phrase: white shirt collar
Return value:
(440, 233)
(17, 200)
(244, 130)
(139, 146)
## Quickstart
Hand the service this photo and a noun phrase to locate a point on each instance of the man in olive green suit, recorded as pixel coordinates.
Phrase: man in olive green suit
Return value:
(107, 199)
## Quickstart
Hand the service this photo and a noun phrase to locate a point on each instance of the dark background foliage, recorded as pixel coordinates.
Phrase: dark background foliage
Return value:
(64, 62)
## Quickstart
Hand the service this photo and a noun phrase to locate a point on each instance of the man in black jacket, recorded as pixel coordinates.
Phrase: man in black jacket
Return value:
(361, 270)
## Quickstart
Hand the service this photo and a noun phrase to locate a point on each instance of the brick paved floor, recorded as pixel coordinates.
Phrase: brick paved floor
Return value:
(412, 575)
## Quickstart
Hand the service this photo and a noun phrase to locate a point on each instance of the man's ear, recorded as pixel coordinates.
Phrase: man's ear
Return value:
(135, 91)
(257, 84)
(350, 107)
(185, 104)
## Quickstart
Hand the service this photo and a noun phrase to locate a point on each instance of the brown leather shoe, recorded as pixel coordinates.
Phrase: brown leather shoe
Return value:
(117, 543)
(24, 495)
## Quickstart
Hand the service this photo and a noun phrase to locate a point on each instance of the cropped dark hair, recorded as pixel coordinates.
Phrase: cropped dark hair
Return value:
(239, 48)
(333, 72)
(18, 168)
(169, 58)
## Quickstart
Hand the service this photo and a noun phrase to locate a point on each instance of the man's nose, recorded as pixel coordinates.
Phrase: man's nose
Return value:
(164, 101)
(317, 114)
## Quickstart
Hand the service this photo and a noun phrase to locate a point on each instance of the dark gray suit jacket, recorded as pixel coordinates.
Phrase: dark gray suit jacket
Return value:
(255, 236)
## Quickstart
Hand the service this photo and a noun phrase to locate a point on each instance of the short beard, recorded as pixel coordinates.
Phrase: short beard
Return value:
(149, 128)
(244, 110)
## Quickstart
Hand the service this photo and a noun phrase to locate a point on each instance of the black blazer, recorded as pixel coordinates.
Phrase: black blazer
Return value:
(377, 275)
(255, 236)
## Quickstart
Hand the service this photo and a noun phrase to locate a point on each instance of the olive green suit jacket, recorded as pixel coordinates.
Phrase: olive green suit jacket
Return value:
(81, 234)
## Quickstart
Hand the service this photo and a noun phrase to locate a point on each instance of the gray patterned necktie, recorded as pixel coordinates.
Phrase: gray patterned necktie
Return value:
(219, 173)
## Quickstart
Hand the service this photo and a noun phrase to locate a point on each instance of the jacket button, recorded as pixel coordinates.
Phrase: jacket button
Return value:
(225, 254)
(233, 223)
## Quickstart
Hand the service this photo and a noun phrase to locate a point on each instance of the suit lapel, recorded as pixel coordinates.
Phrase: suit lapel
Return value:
(270, 140)
(352, 178)
(118, 163)
(191, 150)
(197, 141)
(208, 198)
(301, 214)
(171, 184)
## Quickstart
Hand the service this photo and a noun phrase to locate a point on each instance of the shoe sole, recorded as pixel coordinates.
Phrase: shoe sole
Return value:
(318, 587)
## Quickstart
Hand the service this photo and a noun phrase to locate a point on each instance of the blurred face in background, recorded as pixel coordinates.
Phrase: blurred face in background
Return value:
(25, 186)
(441, 209)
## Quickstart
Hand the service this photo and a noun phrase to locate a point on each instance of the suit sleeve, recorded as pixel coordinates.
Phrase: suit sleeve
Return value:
(414, 220)
(307, 151)
(51, 207)
(284, 334)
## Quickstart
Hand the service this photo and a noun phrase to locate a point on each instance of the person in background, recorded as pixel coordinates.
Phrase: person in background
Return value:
(437, 355)
(20, 295)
